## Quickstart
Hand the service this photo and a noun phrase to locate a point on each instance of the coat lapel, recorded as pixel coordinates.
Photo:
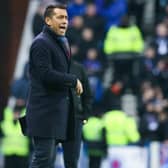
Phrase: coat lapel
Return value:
(65, 46)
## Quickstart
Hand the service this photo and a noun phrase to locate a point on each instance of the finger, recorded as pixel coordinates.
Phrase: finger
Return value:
(78, 90)
(81, 90)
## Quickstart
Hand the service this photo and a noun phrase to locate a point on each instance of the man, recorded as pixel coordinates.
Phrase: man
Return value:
(120, 128)
(82, 110)
(95, 140)
(15, 146)
(49, 102)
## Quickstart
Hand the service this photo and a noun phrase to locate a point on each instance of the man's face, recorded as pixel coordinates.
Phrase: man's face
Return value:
(58, 22)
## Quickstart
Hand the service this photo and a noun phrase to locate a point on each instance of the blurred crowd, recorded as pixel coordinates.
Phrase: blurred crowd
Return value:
(109, 36)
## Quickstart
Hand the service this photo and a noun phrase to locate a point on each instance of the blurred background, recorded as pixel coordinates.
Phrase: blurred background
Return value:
(123, 45)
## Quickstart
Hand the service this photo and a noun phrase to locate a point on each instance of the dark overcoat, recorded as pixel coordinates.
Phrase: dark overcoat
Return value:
(82, 104)
(50, 82)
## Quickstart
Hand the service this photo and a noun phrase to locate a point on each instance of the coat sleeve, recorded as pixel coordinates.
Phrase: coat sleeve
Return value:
(40, 58)
(87, 98)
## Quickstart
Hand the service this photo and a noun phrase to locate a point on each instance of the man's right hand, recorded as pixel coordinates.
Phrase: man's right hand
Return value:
(79, 87)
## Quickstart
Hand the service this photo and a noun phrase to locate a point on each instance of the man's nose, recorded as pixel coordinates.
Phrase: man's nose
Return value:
(65, 20)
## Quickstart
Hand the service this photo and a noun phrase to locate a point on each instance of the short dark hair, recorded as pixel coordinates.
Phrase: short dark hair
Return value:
(49, 9)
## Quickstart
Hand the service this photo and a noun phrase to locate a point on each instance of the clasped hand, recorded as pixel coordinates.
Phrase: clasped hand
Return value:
(79, 87)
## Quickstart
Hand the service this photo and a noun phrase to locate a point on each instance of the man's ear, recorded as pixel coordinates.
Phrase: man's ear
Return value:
(48, 21)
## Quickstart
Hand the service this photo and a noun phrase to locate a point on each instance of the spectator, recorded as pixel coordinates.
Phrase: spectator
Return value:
(76, 8)
(15, 146)
(163, 126)
(88, 40)
(20, 87)
(153, 105)
(161, 9)
(122, 45)
(149, 125)
(94, 138)
(38, 22)
(160, 41)
(75, 29)
(74, 35)
(94, 21)
(147, 64)
(120, 129)
(161, 75)
(94, 69)
(112, 11)
(123, 38)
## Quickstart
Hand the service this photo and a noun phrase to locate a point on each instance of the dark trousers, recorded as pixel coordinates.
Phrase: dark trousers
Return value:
(15, 161)
(72, 148)
(44, 152)
(94, 161)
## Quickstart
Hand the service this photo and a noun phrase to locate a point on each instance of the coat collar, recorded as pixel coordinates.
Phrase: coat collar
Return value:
(51, 33)
(55, 37)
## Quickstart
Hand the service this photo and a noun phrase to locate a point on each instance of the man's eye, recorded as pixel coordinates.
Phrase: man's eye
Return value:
(62, 17)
